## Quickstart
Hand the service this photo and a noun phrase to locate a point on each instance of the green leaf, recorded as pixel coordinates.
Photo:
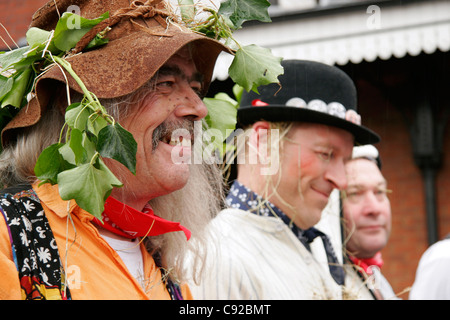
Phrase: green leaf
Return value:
(254, 66)
(37, 38)
(67, 154)
(237, 91)
(6, 85)
(117, 143)
(187, 10)
(97, 41)
(88, 186)
(89, 144)
(76, 144)
(96, 124)
(11, 59)
(222, 114)
(77, 115)
(222, 96)
(239, 11)
(71, 28)
(18, 92)
(49, 164)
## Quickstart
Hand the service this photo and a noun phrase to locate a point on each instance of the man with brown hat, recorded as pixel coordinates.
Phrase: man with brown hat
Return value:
(151, 76)
(300, 134)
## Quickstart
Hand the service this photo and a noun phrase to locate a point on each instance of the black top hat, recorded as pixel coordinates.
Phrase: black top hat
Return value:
(310, 92)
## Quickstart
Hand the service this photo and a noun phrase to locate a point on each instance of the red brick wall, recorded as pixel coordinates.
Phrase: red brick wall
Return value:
(443, 187)
(408, 240)
(16, 17)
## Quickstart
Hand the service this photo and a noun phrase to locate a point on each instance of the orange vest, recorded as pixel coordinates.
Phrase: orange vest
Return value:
(93, 270)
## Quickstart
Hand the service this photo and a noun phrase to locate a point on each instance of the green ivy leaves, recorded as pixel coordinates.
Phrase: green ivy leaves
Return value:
(50, 163)
(116, 143)
(20, 67)
(252, 65)
(89, 185)
(77, 166)
(71, 28)
(16, 87)
(239, 11)
(222, 115)
(78, 169)
(89, 134)
(255, 66)
(75, 162)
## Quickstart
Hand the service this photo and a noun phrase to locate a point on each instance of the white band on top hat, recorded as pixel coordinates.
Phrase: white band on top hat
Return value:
(333, 108)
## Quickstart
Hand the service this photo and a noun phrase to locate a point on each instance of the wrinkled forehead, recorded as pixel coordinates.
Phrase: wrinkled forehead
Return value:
(182, 64)
(361, 172)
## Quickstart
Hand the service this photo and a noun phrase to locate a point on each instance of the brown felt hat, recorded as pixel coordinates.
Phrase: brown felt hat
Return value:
(143, 36)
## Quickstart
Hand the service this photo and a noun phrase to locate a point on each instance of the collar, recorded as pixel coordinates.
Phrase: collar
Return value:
(49, 195)
(367, 263)
(241, 197)
(148, 224)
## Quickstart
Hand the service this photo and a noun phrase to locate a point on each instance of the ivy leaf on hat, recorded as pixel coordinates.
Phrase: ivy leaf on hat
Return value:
(18, 66)
(15, 60)
(39, 40)
(89, 132)
(187, 10)
(71, 28)
(240, 11)
(255, 66)
(15, 96)
(252, 65)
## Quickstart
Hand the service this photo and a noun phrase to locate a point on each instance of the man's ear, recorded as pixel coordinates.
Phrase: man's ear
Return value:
(260, 133)
(258, 142)
(268, 147)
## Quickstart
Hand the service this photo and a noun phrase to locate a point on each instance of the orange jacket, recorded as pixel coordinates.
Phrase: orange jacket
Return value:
(93, 269)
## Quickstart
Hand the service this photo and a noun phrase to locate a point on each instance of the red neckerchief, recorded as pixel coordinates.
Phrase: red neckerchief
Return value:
(131, 223)
(376, 260)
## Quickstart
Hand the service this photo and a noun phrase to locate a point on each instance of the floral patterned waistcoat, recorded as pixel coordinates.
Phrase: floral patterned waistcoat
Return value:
(33, 245)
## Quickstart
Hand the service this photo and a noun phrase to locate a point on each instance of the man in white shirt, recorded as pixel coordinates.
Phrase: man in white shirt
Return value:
(432, 276)
(300, 134)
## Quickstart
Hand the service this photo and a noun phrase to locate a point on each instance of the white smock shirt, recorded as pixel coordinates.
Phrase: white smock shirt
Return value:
(433, 276)
(257, 256)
